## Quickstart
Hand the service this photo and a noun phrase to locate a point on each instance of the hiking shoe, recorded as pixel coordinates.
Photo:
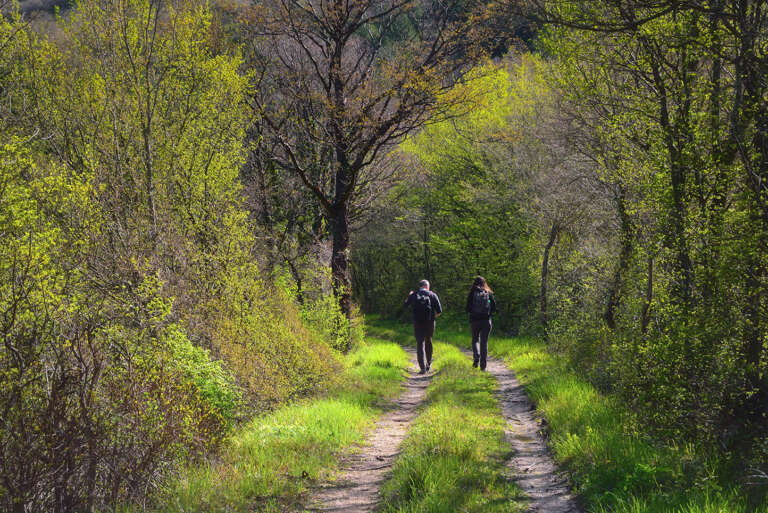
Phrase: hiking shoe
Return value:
(474, 364)
(422, 371)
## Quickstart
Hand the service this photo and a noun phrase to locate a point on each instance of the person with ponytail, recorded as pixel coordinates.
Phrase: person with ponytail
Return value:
(480, 307)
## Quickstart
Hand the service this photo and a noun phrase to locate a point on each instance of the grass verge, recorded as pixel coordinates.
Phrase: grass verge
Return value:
(453, 458)
(269, 464)
(613, 467)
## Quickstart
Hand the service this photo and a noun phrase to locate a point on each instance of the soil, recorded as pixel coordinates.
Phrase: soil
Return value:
(363, 473)
(535, 471)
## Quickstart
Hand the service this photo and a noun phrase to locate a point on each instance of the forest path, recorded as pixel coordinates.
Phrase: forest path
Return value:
(535, 471)
(363, 473)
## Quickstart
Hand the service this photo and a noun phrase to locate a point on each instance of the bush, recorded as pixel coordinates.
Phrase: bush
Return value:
(320, 310)
(214, 386)
(99, 392)
(131, 313)
(258, 330)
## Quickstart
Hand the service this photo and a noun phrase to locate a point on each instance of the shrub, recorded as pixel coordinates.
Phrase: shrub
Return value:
(319, 308)
(257, 329)
(214, 386)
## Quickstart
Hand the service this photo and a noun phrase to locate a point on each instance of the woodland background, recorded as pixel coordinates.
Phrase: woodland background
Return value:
(198, 199)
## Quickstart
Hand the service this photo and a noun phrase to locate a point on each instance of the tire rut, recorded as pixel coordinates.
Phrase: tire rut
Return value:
(357, 490)
(535, 471)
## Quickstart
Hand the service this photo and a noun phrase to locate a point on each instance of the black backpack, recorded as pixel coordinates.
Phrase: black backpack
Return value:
(481, 303)
(422, 307)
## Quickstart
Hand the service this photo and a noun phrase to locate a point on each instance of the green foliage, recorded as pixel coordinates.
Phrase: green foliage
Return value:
(258, 330)
(136, 324)
(684, 270)
(320, 310)
(272, 461)
(79, 387)
(455, 215)
(613, 463)
(214, 385)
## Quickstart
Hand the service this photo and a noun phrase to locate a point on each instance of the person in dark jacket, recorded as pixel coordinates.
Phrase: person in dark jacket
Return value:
(480, 307)
(426, 308)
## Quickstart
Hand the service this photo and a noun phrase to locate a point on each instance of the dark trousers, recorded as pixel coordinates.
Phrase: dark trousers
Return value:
(480, 332)
(423, 332)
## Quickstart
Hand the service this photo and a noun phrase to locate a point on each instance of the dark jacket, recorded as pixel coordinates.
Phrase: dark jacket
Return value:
(433, 299)
(468, 309)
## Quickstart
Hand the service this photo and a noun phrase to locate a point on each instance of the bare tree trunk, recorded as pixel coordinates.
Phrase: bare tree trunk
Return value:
(340, 258)
(297, 278)
(614, 294)
(543, 314)
(677, 239)
(754, 404)
(645, 317)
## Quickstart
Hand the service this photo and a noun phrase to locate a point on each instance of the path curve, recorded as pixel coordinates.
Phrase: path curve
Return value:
(357, 490)
(535, 471)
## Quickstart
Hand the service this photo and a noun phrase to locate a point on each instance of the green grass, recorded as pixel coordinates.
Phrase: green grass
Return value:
(269, 464)
(614, 467)
(453, 458)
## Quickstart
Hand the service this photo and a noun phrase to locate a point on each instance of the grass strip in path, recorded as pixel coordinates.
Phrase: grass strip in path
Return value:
(454, 458)
(357, 491)
(614, 467)
(270, 464)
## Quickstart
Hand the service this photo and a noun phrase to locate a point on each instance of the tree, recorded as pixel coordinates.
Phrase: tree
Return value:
(681, 133)
(340, 82)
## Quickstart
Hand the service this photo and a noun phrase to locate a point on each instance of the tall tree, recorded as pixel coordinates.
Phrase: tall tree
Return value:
(341, 81)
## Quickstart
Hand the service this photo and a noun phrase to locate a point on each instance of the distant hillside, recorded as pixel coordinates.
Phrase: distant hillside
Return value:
(28, 6)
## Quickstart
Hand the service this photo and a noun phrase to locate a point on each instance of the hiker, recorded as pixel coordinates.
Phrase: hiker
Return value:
(426, 308)
(480, 307)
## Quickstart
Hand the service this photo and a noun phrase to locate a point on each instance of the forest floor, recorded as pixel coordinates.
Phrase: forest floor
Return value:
(454, 440)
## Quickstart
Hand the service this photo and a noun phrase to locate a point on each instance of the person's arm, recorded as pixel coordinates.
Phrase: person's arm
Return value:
(437, 306)
(409, 299)
(493, 304)
(468, 308)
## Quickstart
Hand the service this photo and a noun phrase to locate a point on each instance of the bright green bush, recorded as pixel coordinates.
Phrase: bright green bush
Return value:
(320, 310)
(259, 332)
(270, 463)
(214, 385)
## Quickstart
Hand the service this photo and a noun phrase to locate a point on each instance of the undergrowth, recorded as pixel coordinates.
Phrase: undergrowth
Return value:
(269, 464)
(614, 467)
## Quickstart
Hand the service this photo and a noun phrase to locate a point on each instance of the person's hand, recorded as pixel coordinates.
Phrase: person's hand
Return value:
(409, 293)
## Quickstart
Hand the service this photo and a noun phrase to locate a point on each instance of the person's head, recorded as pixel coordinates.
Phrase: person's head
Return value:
(424, 284)
(481, 284)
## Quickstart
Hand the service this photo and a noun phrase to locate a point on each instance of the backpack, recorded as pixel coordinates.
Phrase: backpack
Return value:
(481, 303)
(422, 307)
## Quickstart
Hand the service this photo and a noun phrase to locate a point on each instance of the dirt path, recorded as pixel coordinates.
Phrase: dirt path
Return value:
(535, 471)
(357, 490)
